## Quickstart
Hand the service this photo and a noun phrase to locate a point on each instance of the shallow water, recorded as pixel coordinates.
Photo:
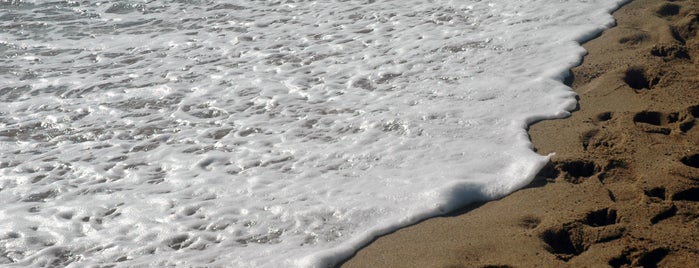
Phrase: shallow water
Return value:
(266, 133)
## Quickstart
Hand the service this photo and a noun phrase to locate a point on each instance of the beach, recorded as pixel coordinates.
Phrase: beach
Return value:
(292, 134)
(266, 133)
(622, 189)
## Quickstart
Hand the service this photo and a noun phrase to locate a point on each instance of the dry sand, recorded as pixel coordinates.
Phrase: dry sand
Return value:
(623, 188)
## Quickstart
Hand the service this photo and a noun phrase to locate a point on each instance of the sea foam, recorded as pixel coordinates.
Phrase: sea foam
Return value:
(266, 133)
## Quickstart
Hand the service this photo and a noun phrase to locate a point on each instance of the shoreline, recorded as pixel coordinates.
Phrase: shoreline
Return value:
(623, 188)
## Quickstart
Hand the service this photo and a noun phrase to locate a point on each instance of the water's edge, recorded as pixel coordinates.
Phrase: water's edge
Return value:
(464, 209)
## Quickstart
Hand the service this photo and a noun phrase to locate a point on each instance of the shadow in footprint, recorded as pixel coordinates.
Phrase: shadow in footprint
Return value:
(668, 9)
(636, 78)
(602, 217)
(560, 244)
(606, 116)
(691, 194)
(686, 28)
(620, 261)
(694, 110)
(691, 161)
(670, 51)
(658, 192)
(577, 170)
(574, 238)
(631, 257)
(686, 126)
(664, 214)
(547, 174)
(652, 258)
(653, 118)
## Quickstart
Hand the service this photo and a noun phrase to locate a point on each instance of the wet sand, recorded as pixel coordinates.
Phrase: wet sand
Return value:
(623, 187)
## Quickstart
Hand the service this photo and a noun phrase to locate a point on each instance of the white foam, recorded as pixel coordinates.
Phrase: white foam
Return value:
(247, 133)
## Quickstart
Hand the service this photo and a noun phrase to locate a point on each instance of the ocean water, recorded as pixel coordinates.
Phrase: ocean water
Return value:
(249, 133)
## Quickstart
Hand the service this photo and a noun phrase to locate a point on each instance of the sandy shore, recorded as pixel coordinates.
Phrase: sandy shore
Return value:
(623, 188)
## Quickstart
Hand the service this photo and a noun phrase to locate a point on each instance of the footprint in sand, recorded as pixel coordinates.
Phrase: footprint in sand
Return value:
(660, 123)
(660, 207)
(691, 160)
(572, 171)
(574, 238)
(688, 168)
(633, 257)
(689, 122)
(652, 122)
(638, 78)
(595, 138)
(667, 10)
(635, 39)
(529, 222)
(670, 51)
(685, 29)
(691, 194)
(666, 211)
(578, 171)
(694, 111)
(682, 29)
(656, 194)
(605, 116)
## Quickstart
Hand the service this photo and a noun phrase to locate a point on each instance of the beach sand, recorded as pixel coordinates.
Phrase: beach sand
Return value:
(623, 187)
